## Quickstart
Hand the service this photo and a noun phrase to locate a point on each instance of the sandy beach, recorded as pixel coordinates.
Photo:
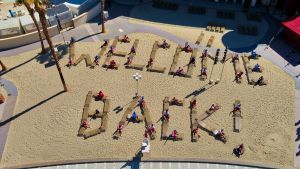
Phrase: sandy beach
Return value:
(48, 131)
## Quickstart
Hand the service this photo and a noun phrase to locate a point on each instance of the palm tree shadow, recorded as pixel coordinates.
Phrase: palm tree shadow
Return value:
(47, 59)
(2, 123)
(17, 66)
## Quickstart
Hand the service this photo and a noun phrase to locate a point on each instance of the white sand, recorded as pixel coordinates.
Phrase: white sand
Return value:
(48, 132)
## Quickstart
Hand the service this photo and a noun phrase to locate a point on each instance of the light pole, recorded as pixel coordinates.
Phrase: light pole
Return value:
(58, 23)
(137, 77)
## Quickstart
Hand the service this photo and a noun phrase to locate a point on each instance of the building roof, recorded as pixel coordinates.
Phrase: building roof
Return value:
(293, 25)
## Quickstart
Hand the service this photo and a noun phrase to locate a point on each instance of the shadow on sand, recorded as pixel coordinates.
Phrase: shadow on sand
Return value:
(2, 123)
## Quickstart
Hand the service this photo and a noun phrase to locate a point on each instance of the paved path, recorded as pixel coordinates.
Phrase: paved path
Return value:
(114, 26)
(7, 111)
(149, 165)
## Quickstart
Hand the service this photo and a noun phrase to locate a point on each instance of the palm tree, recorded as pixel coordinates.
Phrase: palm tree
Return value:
(102, 15)
(27, 4)
(39, 7)
(3, 66)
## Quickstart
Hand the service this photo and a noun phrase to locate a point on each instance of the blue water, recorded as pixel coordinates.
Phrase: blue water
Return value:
(10, 0)
(77, 2)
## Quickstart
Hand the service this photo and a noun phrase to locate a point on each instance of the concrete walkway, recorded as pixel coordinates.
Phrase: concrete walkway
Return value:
(121, 26)
(7, 111)
(148, 165)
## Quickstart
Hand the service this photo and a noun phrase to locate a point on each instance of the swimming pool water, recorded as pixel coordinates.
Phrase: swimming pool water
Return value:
(10, 0)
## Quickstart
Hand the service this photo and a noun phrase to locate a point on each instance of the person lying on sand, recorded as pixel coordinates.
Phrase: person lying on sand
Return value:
(85, 124)
(134, 117)
(142, 102)
(166, 115)
(179, 71)
(213, 107)
(193, 104)
(235, 57)
(120, 128)
(100, 95)
(192, 60)
(260, 80)
(112, 64)
(151, 129)
(196, 132)
(129, 60)
(239, 75)
(112, 49)
(175, 101)
(220, 134)
(187, 48)
(237, 107)
(125, 39)
(174, 134)
(104, 44)
(70, 62)
(256, 68)
(96, 60)
(239, 150)
(96, 114)
(133, 50)
(165, 44)
(203, 71)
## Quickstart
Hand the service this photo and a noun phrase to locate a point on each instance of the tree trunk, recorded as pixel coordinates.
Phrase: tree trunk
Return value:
(46, 33)
(3, 66)
(102, 16)
(31, 13)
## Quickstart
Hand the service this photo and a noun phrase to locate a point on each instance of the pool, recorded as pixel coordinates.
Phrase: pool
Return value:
(10, 0)
(76, 2)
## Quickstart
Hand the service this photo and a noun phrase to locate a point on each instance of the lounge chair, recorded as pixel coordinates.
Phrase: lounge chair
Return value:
(88, 60)
(146, 113)
(166, 104)
(120, 53)
(106, 61)
(172, 69)
(157, 69)
(164, 129)
(88, 99)
(81, 131)
(106, 106)
(85, 114)
(208, 27)
(91, 133)
(104, 122)
(176, 58)
(135, 66)
(203, 65)
(72, 51)
(190, 70)
(222, 30)
(237, 123)
(200, 38)
(101, 52)
(237, 69)
(135, 43)
(208, 112)
(178, 49)
(210, 41)
(115, 42)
